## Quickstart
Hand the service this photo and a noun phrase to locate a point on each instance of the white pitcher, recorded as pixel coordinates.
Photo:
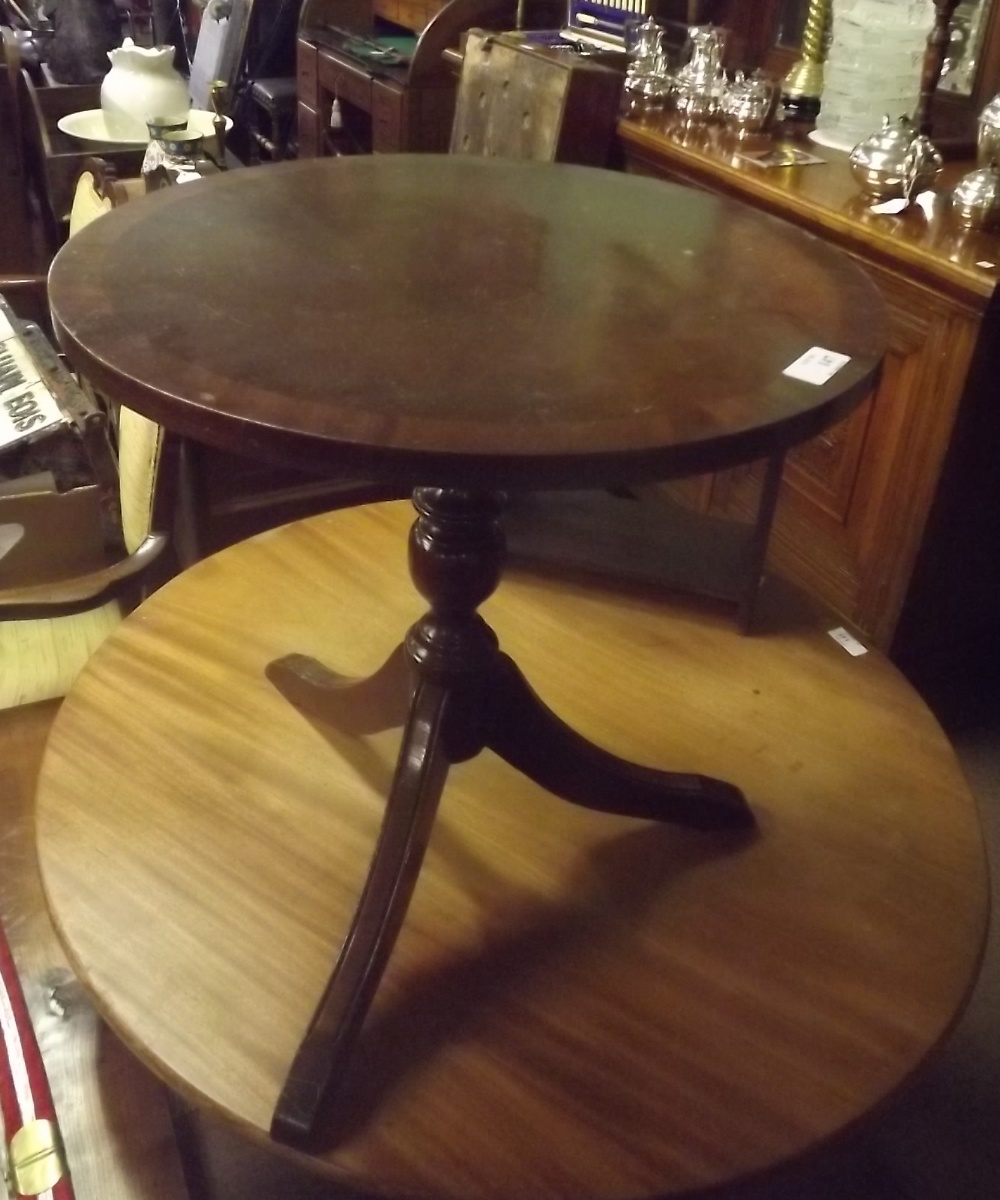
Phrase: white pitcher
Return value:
(141, 85)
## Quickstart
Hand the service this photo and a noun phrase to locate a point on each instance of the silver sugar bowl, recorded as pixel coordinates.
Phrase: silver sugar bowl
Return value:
(749, 103)
(896, 162)
(975, 200)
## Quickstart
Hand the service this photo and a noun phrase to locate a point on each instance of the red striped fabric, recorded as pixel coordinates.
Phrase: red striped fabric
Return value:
(25, 1097)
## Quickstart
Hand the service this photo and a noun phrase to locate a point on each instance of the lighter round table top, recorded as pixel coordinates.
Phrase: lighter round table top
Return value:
(448, 320)
(579, 1005)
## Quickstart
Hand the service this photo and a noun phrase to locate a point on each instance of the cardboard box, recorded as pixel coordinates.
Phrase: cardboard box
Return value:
(48, 535)
(47, 531)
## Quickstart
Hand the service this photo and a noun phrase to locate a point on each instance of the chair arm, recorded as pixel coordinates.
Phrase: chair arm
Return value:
(41, 599)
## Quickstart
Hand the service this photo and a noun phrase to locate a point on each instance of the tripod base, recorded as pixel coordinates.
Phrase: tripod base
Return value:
(455, 694)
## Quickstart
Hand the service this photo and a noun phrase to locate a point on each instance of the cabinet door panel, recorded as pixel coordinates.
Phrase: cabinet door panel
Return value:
(388, 116)
(825, 470)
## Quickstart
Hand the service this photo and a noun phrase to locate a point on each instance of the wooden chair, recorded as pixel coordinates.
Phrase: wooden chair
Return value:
(52, 160)
(10, 108)
(523, 101)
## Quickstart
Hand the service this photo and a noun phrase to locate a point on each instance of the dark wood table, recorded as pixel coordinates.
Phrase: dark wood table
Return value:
(463, 327)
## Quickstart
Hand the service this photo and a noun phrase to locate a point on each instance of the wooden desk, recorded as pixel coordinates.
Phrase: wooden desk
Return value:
(579, 1005)
(890, 517)
(471, 326)
(405, 107)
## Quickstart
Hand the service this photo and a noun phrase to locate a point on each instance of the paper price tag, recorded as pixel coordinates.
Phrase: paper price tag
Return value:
(848, 641)
(816, 365)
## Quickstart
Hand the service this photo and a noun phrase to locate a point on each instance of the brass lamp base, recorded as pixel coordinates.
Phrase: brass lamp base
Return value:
(805, 79)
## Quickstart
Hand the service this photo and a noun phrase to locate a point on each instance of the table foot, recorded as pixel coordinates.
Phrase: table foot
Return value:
(380, 701)
(421, 770)
(525, 732)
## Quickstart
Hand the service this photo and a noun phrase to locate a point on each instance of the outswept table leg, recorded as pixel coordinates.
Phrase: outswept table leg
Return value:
(525, 732)
(406, 829)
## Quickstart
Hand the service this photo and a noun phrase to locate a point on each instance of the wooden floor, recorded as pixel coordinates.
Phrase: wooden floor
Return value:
(114, 1115)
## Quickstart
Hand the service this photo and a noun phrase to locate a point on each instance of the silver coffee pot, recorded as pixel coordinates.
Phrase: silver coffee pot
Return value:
(647, 79)
(699, 84)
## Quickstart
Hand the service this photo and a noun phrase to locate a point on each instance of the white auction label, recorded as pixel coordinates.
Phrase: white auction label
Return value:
(848, 641)
(816, 365)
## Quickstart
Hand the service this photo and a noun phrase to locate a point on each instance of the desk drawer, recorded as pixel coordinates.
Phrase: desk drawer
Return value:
(350, 83)
(309, 130)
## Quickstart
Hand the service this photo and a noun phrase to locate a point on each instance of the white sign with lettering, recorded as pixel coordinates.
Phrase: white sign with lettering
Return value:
(27, 407)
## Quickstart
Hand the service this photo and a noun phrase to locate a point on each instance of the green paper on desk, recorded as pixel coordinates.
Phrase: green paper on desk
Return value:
(391, 51)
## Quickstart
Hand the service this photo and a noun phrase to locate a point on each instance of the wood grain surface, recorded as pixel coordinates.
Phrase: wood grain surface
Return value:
(579, 1005)
(451, 320)
(926, 241)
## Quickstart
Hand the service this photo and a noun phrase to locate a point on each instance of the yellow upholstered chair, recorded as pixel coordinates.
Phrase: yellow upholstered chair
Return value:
(50, 626)
(71, 563)
(64, 582)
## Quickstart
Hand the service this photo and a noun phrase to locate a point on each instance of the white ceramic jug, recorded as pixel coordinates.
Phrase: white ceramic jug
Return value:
(141, 85)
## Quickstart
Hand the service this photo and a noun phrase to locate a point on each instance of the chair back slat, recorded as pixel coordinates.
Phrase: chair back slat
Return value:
(88, 203)
(140, 446)
(523, 102)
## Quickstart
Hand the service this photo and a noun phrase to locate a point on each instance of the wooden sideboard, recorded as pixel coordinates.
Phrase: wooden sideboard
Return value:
(384, 108)
(884, 517)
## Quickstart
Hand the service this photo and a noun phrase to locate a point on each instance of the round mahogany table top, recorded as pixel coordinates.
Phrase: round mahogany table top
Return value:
(580, 1006)
(448, 320)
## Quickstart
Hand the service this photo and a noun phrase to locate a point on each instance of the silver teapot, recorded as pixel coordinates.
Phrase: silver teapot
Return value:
(896, 162)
